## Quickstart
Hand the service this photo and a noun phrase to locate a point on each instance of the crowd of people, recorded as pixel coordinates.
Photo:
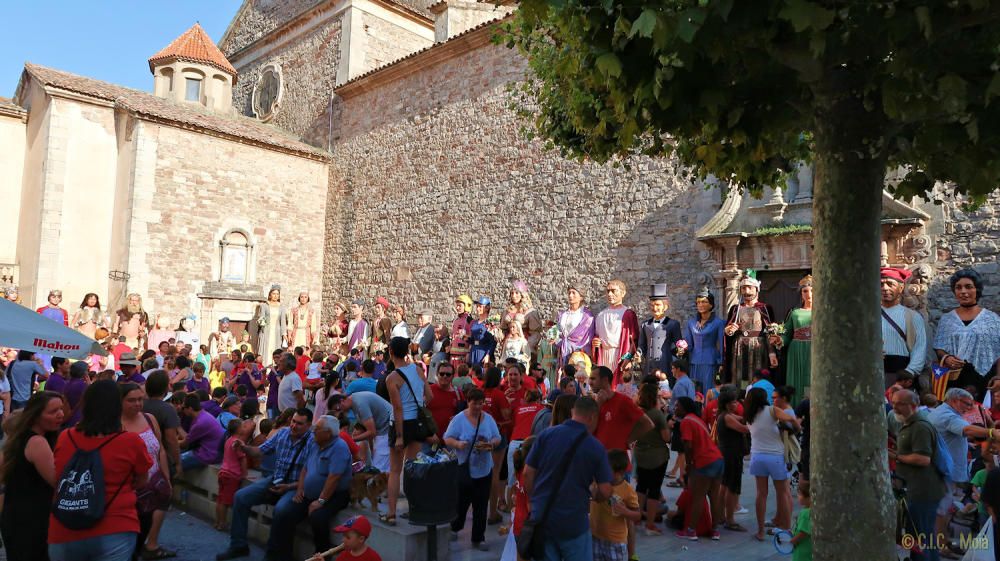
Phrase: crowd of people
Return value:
(563, 427)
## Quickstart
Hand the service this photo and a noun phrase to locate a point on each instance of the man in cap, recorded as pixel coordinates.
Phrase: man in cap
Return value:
(222, 341)
(617, 330)
(484, 344)
(576, 326)
(381, 325)
(659, 334)
(358, 332)
(745, 330)
(904, 337)
(461, 330)
(423, 339)
(129, 367)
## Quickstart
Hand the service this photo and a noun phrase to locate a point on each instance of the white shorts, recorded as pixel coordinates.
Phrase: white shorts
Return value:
(380, 456)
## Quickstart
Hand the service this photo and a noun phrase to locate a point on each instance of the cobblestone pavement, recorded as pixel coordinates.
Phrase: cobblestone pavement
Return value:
(196, 540)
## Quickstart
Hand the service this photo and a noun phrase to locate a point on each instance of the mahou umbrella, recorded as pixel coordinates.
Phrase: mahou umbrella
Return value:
(24, 329)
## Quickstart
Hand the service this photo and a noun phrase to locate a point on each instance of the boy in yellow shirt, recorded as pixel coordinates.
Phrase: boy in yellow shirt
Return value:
(609, 519)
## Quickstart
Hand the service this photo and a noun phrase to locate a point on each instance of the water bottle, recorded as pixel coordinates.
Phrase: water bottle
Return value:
(184, 497)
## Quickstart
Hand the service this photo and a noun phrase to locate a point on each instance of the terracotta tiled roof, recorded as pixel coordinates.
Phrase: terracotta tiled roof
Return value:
(194, 45)
(183, 115)
(8, 107)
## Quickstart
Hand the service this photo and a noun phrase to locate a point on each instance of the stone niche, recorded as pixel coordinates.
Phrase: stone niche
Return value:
(235, 301)
(773, 235)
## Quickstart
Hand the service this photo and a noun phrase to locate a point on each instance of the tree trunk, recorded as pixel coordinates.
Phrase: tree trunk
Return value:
(852, 510)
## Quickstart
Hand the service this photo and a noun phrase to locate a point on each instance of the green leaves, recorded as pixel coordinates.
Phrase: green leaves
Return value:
(804, 15)
(644, 24)
(923, 14)
(689, 22)
(951, 91)
(609, 65)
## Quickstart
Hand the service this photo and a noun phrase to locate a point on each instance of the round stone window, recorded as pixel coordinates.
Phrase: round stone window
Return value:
(267, 93)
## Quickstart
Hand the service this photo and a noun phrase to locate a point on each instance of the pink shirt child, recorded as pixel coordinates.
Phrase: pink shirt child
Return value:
(232, 459)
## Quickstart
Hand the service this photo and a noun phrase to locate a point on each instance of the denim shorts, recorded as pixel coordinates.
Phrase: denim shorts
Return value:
(768, 465)
(712, 470)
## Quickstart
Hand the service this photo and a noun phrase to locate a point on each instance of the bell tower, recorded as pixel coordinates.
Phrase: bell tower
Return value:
(192, 70)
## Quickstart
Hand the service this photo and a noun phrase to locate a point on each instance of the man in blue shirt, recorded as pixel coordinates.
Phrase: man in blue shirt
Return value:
(366, 379)
(291, 446)
(323, 490)
(567, 529)
(760, 380)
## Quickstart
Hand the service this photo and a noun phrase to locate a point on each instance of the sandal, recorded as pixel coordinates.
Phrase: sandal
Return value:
(734, 527)
(675, 484)
(388, 519)
(758, 537)
(158, 553)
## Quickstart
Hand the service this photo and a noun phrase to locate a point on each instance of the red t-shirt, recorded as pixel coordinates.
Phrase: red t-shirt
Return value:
(122, 458)
(368, 555)
(515, 397)
(528, 383)
(704, 524)
(496, 402)
(301, 364)
(524, 415)
(521, 505)
(618, 416)
(711, 412)
(351, 445)
(695, 431)
(442, 407)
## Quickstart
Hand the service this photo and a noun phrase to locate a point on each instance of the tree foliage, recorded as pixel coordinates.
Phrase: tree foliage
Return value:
(737, 88)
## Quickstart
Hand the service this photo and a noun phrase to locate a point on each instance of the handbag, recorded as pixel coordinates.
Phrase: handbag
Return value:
(425, 421)
(465, 471)
(531, 542)
(155, 495)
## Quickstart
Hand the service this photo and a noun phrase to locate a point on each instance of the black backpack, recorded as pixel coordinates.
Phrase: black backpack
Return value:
(79, 498)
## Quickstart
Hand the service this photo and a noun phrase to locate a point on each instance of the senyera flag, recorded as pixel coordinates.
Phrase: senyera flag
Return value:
(26, 330)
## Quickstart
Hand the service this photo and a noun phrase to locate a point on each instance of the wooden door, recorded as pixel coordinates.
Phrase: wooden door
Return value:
(780, 289)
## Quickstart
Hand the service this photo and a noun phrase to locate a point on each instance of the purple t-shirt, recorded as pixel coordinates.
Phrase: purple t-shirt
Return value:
(135, 378)
(56, 383)
(272, 389)
(195, 384)
(205, 438)
(246, 378)
(74, 394)
(211, 407)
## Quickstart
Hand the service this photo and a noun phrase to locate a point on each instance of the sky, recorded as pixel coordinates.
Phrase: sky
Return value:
(109, 40)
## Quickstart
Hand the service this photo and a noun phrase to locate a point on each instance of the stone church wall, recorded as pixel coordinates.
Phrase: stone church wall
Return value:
(260, 18)
(309, 72)
(434, 192)
(203, 185)
(386, 42)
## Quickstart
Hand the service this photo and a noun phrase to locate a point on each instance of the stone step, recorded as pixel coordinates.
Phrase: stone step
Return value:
(195, 493)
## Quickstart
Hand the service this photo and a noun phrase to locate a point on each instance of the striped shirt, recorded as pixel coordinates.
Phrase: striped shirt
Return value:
(284, 450)
(893, 344)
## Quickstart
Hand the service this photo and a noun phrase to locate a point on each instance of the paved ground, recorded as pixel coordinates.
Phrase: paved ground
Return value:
(196, 540)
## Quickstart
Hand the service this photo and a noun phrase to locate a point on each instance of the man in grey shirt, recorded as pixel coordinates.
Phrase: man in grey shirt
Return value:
(375, 414)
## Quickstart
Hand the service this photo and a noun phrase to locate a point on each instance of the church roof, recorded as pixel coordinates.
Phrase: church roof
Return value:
(8, 107)
(194, 45)
(189, 116)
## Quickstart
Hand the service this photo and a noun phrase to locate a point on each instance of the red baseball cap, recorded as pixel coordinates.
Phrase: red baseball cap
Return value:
(359, 524)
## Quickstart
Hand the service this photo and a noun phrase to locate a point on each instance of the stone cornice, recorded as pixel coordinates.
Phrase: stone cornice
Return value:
(18, 113)
(458, 45)
(308, 20)
(74, 96)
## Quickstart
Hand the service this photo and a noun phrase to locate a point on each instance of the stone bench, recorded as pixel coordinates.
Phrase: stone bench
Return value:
(195, 493)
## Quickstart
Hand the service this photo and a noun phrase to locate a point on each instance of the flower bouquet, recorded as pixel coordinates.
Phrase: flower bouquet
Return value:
(775, 332)
(681, 346)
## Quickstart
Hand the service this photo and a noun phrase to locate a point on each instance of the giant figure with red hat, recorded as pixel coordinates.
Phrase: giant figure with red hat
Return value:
(617, 333)
(747, 347)
(904, 336)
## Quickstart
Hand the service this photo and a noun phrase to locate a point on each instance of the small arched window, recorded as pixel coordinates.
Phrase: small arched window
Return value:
(234, 251)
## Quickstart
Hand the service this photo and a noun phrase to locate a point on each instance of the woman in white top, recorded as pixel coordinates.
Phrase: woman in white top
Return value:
(516, 346)
(399, 326)
(767, 456)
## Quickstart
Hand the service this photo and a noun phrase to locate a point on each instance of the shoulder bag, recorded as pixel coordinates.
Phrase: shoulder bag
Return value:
(531, 542)
(425, 421)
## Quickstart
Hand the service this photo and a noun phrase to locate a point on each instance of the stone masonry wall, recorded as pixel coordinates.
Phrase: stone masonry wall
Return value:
(309, 73)
(439, 194)
(262, 17)
(205, 186)
(386, 42)
(969, 239)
